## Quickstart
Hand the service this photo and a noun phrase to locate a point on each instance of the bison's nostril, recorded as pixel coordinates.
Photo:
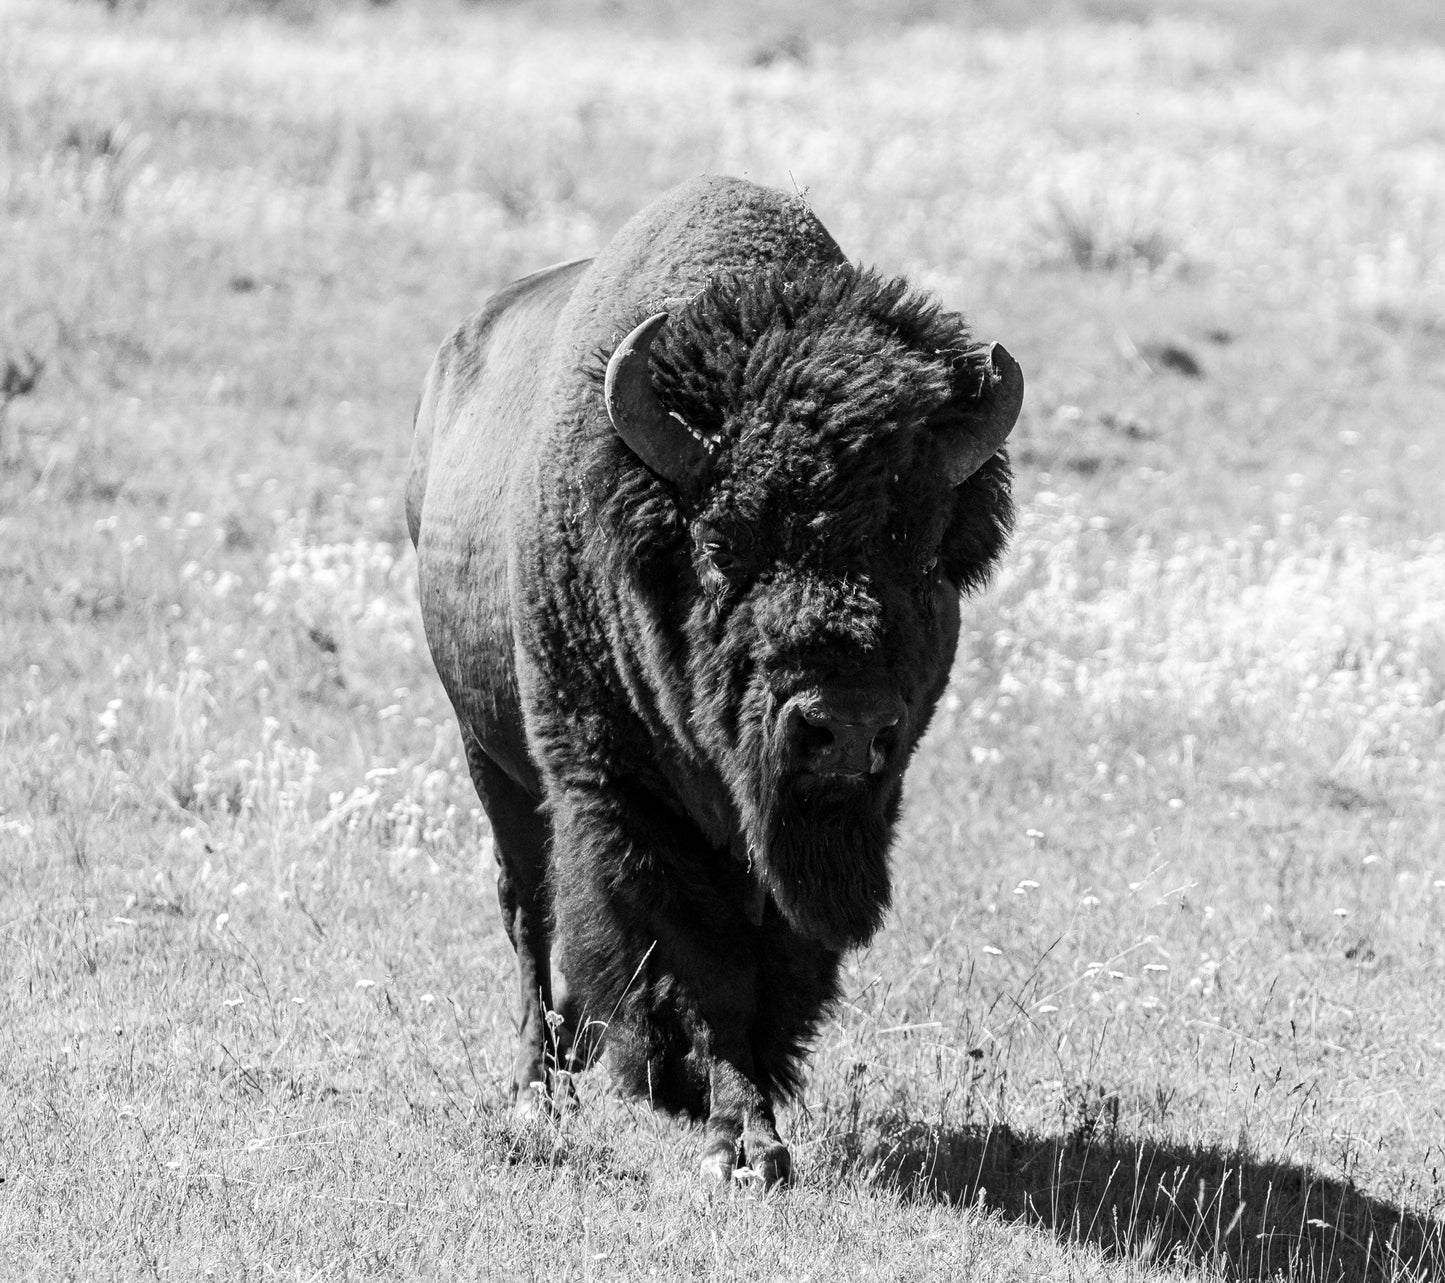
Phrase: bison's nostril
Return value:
(882, 746)
(809, 736)
(812, 735)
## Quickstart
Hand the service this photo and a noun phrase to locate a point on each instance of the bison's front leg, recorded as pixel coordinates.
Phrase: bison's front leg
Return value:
(520, 833)
(741, 1131)
(657, 940)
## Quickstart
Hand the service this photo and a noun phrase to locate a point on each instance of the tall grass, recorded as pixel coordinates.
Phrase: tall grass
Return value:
(1160, 995)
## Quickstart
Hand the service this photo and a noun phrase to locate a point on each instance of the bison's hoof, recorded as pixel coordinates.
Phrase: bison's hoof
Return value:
(532, 1101)
(767, 1167)
(719, 1161)
(545, 1099)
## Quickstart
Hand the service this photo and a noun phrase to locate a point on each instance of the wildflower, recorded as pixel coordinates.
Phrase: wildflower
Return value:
(109, 722)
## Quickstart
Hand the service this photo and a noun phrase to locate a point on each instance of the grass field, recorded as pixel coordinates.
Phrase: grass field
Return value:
(1161, 997)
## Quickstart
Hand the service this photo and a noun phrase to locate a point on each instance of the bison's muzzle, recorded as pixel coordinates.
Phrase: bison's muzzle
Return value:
(842, 734)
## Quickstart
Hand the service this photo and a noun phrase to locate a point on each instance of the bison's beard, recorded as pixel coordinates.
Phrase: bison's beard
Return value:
(826, 863)
(823, 850)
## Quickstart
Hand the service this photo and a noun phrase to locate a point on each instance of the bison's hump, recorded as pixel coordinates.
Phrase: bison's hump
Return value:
(698, 230)
(711, 225)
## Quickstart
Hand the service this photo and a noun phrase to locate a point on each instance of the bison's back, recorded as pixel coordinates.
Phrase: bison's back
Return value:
(473, 456)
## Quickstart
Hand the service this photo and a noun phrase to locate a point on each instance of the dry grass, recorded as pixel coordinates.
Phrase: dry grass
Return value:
(1161, 995)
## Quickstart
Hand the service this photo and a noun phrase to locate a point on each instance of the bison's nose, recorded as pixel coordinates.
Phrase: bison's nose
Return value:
(843, 732)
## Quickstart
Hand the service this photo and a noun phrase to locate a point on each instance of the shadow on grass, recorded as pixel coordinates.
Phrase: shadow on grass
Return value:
(1248, 1218)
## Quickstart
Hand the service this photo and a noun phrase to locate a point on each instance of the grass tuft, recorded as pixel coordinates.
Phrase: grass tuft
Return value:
(1094, 238)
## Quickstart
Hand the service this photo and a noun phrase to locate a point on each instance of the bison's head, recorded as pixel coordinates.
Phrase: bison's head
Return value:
(823, 480)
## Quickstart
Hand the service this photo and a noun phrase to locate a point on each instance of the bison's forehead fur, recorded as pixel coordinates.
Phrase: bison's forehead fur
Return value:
(820, 391)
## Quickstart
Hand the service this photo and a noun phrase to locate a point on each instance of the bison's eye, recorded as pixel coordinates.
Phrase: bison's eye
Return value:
(721, 558)
(930, 565)
(718, 561)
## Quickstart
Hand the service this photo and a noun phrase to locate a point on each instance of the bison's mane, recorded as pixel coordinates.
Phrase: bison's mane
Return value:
(830, 349)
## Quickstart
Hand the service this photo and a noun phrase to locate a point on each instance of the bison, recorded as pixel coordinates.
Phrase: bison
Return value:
(693, 519)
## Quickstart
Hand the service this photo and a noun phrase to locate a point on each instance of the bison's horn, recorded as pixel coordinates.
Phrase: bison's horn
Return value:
(663, 441)
(996, 411)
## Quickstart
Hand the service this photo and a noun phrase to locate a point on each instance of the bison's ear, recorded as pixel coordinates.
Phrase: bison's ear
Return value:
(970, 443)
(662, 440)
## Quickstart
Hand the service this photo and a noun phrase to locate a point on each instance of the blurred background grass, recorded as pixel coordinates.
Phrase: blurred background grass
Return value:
(1273, 21)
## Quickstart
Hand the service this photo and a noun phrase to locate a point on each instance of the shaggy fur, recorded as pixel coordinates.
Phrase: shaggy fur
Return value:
(820, 389)
(647, 644)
